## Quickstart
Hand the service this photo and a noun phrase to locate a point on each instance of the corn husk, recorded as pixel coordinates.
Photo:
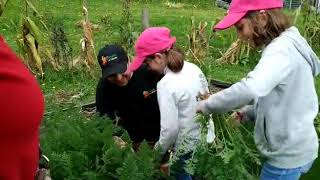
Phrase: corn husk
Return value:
(31, 43)
(33, 28)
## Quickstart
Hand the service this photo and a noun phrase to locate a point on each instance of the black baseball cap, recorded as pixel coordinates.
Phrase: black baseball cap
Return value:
(112, 59)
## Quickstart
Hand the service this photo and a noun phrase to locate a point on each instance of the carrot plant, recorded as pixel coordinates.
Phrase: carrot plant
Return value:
(85, 149)
(232, 156)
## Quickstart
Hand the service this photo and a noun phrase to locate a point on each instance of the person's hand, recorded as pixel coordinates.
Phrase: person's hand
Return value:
(198, 110)
(119, 142)
(202, 97)
(200, 106)
(164, 168)
(235, 119)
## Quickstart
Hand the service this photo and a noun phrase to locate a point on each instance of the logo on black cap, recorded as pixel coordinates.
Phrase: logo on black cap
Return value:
(107, 59)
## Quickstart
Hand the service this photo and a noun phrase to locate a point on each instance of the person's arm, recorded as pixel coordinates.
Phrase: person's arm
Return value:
(272, 69)
(169, 119)
(104, 101)
(204, 83)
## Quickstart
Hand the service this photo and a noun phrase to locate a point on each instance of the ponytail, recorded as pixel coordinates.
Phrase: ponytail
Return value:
(175, 59)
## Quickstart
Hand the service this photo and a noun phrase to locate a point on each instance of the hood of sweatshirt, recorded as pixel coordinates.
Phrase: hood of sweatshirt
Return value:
(303, 48)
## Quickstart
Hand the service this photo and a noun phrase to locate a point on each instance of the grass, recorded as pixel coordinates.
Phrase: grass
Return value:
(67, 90)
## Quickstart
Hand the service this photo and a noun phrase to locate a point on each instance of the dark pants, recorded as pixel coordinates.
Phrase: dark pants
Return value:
(178, 168)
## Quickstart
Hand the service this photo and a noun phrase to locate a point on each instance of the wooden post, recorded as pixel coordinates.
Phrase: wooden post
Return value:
(145, 18)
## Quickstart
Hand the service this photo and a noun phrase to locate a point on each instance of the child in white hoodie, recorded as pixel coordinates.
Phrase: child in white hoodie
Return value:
(280, 89)
(177, 92)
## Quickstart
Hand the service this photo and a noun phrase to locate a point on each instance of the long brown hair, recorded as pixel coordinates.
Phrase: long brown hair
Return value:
(277, 23)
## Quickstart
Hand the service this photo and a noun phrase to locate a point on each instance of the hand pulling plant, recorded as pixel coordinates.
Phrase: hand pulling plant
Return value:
(232, 156)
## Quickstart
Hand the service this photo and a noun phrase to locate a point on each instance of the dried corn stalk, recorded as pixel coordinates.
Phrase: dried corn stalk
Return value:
(28, 41)
(233, 55)
(31, 42)
(87, 55)
(198, 41)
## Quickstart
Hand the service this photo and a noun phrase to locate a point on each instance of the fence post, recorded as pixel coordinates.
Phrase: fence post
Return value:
(145, 18)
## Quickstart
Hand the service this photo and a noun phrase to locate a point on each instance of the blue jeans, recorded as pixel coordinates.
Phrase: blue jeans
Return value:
(269, 172)
(178, 168)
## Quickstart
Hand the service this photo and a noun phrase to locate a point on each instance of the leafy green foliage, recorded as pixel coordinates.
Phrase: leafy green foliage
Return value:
(2, 6)
(126, 29)
(81, 148)
(60, 43)
(232, 156)
(317, 124)
(308, 19)
(140, 166)
(85, 149)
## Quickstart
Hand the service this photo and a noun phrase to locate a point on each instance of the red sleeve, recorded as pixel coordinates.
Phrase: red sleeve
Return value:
(21, 111)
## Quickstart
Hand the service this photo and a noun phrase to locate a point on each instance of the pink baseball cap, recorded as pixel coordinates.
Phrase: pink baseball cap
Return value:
(151, 41)
(239, 8)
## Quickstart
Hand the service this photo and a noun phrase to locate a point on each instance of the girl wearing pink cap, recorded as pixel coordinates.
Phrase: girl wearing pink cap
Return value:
(279, 93)
(177, 92)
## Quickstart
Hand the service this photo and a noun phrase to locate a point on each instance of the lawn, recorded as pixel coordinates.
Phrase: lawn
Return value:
(67, 90)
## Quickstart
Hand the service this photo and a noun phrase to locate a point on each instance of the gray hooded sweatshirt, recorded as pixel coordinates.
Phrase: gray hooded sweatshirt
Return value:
(283, 101)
